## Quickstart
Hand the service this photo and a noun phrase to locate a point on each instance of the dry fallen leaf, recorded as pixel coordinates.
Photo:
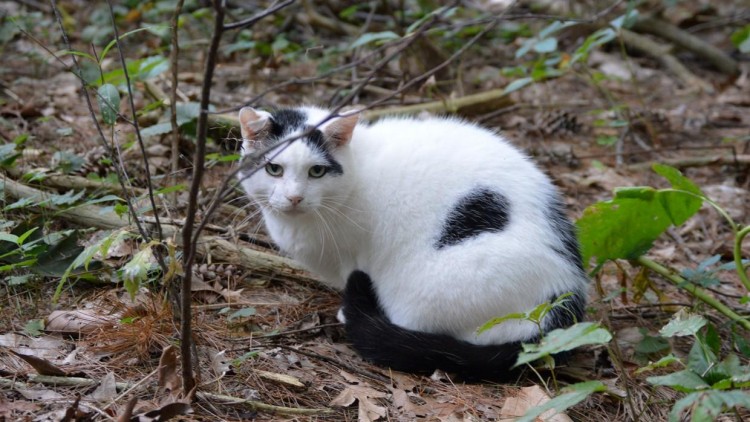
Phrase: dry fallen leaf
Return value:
(106, 391)
(79, 321)
(527, 398)
(368, 410)
(169, 379)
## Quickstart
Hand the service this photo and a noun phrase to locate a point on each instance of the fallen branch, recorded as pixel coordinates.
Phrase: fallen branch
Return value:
(662, 53)
(729, 159)
(86, 382)
(65, 181)
(214, 246)
(263, 407)
(697, 46)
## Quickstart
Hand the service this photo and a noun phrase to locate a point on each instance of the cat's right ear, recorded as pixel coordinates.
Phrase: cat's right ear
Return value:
(254, 126)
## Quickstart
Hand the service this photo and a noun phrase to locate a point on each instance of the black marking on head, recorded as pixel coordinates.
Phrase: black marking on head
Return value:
(566, 231)
(285, 121)
(481, 211)
(317, 141)
(380, 341)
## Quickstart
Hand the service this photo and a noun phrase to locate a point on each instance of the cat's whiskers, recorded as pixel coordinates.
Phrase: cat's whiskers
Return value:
(334, 208)
(329, 230)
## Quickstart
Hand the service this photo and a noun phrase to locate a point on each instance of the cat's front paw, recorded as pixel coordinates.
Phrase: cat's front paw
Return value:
(340, 315)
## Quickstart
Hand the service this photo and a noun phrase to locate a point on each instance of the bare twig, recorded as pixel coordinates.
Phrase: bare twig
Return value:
(138, 136)
(255, 18)
(119, 169)
(173, 93)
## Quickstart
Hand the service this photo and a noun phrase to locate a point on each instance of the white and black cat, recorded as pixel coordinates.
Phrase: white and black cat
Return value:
(437, 225)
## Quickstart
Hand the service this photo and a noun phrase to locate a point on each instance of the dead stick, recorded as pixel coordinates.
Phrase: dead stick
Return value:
(217, 247)
(662, 53)
(690, 42)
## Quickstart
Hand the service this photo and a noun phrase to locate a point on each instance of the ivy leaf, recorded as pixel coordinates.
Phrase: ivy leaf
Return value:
(371, 37)
(136, 271)
(564, 339)
(685, 381)
(242, 313)
(626, 227)
(109, 103)
(683, 324)
(708, 405)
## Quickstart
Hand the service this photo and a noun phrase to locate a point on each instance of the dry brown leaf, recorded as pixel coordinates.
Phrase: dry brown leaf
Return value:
(14, 409)
(79, 321)
(41, 366)
(287, 380)
(362, 393)
(527, 398)
(169, 379)
(45, 347)
(106, 391)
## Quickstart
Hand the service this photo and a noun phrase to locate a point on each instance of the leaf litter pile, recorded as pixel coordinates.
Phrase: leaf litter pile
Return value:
(87, 327)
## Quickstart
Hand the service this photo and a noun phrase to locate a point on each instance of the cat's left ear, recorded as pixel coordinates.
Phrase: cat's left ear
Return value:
(339, 132)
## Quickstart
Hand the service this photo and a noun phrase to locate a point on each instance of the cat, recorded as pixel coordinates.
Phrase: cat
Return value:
(431, 227)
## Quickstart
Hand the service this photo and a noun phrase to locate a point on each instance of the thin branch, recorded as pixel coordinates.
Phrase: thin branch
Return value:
(135, 125)
(119, 169)
(694, 290)
(255, 18)
(173, 60)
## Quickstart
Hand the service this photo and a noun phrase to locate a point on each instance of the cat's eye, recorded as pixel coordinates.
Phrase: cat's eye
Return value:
(317, 171)
(274, 170)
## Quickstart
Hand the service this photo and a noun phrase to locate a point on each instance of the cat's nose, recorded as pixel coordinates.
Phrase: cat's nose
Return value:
(295, 200)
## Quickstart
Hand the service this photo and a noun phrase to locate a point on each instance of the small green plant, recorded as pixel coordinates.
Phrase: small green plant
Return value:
(626, 227)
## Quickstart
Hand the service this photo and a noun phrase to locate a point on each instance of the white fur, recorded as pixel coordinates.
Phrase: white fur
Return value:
(401, 179)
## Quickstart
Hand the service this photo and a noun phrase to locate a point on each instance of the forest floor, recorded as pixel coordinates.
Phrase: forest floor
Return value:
(284, 348)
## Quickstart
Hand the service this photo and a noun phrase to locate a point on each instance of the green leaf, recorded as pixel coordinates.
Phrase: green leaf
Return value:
(546, 45)
(242, 313)
(34, 327)
(665, 361)
(68, 198)
(109, 103)
(626, 226)
(136, 270)
(685, 381)
(708, 405)
(517, 84)
(564, 339)
(186, 113)
(7, 237)
(741, 39)
(682, 324)
(56, 260)
(570, 396)
(371, 37)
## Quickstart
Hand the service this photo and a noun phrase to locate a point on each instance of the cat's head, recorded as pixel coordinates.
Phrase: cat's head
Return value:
(303, 176)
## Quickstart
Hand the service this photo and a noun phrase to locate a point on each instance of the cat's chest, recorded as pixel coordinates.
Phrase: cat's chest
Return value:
(326, 246)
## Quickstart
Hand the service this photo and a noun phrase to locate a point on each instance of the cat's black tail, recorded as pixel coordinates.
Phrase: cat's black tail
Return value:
(380, 341)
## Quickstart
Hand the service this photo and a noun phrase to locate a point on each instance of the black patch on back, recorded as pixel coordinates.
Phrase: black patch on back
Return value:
(318, 142)
(566, 231)
(383, 343)
(482, 210)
